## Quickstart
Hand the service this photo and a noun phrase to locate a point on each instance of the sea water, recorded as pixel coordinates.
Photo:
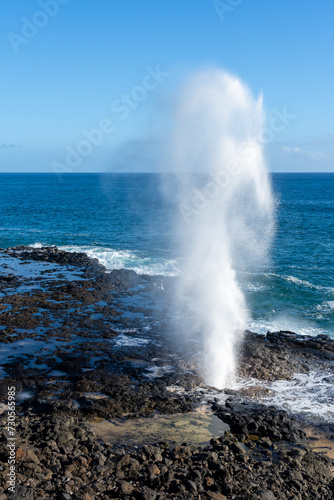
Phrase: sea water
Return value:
(126, 221)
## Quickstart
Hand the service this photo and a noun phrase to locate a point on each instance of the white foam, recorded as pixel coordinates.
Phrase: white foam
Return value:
(158, 371)
(310, 394)
(326, 307)
(123, 340)
(275, 324)
(300, 282)
(127, 259)
(253, 287)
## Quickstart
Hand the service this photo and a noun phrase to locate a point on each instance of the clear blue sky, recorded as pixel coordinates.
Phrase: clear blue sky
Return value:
(64, 63)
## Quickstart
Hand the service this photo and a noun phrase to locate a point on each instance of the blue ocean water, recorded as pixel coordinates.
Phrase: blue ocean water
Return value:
(126, 221)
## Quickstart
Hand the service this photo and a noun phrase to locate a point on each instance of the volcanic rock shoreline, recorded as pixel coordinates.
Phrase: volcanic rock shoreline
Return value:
(74, 342)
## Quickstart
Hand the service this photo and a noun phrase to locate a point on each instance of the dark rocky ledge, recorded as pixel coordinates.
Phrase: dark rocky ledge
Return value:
(278, 355)
(71, 311)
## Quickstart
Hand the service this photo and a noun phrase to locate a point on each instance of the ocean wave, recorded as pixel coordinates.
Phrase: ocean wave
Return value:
(127, 259)
(253, 287)
(326, 307)
(292, 279)
(299, 282)
(285, 277)
(306, 394)
(37, 245)
(276, 324)
(21, 229)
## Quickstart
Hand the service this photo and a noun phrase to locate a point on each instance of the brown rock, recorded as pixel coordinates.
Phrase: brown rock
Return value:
(126, 488)
(48, 474)
(71, 468)
(216, 496)
(125, 460)
(154, 470)
(209, 481)
(19, 454)
(30, 456)
(86, 496)
(83, 461)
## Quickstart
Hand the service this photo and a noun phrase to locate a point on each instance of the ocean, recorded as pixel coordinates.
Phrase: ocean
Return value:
(126, 221)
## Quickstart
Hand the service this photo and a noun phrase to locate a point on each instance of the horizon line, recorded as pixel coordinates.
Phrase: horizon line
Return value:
(149, 172)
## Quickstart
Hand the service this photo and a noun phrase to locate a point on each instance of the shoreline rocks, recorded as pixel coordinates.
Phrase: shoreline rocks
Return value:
(61, 456)
(74, 343)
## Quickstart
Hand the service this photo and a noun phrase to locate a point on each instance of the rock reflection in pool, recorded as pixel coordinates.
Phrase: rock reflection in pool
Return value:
(196, 427)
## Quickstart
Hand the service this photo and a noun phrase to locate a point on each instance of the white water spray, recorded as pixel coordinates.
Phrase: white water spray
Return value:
(227, 207)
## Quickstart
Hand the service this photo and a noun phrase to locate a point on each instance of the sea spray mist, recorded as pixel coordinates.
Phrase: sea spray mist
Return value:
(226, 210)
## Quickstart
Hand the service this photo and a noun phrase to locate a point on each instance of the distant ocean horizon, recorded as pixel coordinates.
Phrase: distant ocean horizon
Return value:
(126, 221)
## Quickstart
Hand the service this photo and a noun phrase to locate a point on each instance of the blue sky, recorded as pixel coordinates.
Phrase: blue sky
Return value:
(69, 65)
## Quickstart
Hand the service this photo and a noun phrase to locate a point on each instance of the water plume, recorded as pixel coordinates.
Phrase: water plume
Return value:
(225, 199)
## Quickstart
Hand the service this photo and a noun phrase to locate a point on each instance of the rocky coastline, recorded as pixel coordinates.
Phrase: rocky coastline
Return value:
(74, 345)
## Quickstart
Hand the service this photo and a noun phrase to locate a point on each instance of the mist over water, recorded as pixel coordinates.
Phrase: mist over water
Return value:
(227, 211)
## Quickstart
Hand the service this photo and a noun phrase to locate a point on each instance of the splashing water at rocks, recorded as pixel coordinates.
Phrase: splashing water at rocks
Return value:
(227, 209)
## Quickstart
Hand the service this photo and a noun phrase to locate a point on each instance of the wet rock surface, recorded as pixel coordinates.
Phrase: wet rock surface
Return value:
(279, 355)
(78, 343)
